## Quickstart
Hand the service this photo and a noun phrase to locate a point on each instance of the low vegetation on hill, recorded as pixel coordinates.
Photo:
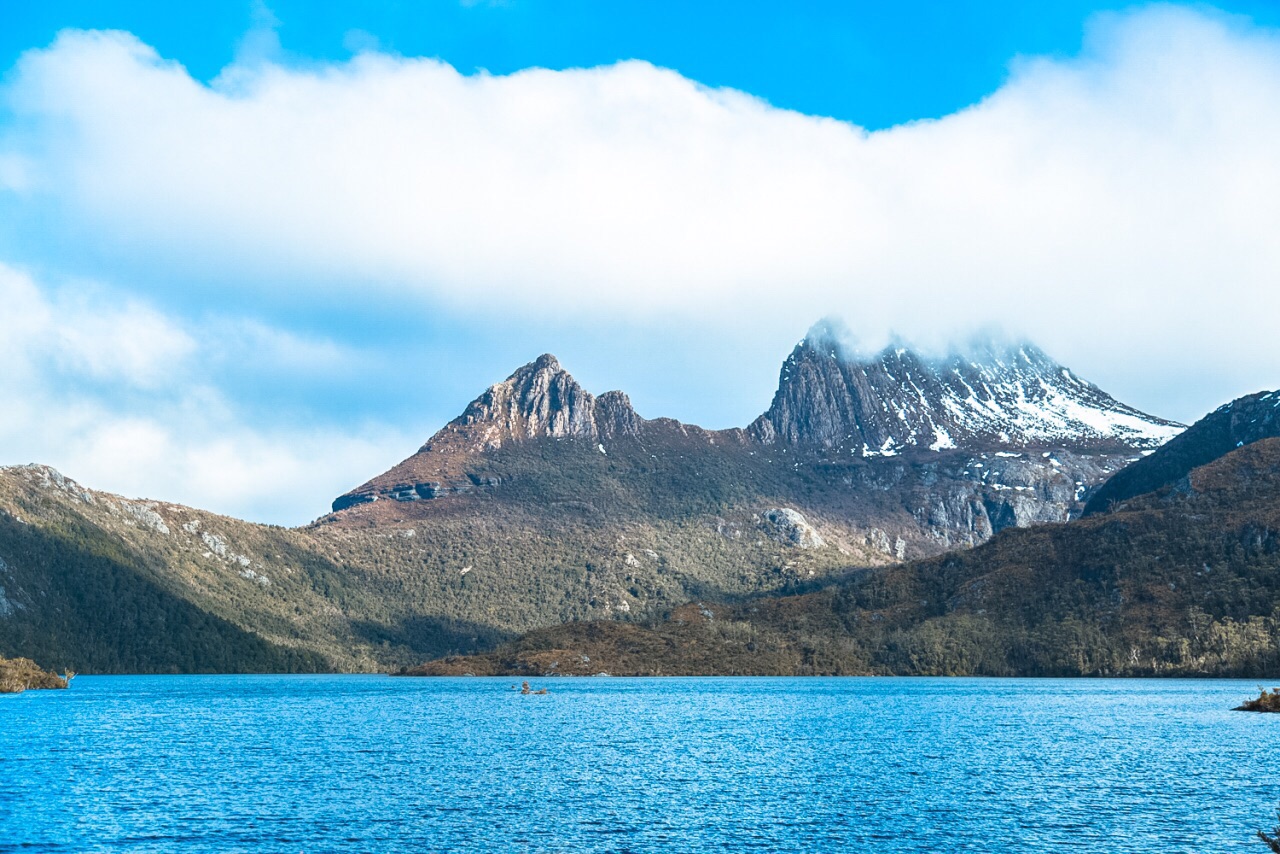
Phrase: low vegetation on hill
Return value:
(1241, 422)
(23, 674)
(1183, 581)
(542, 504)
(113, 585)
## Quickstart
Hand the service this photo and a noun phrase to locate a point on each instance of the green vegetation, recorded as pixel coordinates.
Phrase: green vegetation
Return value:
(1182, 582)
(1243, 421)
(109, 585)
(1267, 701)
(1272, 839)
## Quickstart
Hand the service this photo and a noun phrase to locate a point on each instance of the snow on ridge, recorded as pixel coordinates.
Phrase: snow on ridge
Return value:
(1013, 395)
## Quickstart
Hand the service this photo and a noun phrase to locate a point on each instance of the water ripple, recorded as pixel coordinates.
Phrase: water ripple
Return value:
(270, 763)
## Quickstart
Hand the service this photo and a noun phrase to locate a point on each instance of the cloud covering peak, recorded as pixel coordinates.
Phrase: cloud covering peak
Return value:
(1117, 207)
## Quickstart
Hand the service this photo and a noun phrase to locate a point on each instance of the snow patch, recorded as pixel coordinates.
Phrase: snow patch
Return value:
(941, 440)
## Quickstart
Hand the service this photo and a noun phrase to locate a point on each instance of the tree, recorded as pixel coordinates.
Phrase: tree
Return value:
(1272, 840)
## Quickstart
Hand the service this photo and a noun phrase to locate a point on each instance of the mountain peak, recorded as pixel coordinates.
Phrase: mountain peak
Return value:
(538, 399)
(995, 394)
(545, 362)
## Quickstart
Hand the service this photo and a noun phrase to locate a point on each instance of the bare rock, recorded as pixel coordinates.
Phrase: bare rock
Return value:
(789, 526)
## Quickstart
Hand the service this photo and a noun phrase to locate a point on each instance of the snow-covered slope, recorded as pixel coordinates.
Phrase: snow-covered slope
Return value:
(1012, 396)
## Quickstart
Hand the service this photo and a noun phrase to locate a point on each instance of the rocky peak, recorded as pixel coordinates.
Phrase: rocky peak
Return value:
(992, 396)
(47, 477)
(539, 399)
(615, 417)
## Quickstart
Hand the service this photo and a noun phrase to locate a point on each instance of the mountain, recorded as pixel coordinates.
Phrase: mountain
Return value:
(996, 397)
(102, 583)
(558, 505)
(539, 401)
(539, 505)
(1174, 582)
(1004, 436)
(1233, 425)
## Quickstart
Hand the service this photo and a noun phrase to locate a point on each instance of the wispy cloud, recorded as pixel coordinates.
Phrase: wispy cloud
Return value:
(122, 397)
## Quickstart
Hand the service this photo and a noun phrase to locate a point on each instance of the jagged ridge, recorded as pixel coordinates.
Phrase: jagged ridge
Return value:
(540, 400)
(996, 397)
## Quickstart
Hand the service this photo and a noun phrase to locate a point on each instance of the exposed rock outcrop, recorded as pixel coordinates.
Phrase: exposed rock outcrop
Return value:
(995, 397)
(539, 399)
(789, 526)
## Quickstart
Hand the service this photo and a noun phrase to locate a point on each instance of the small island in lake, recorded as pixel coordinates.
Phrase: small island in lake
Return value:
(1267, 701)
(19, 674)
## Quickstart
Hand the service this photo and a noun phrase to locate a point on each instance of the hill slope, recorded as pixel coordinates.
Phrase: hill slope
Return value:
(540, 504)
(1183, 581)
(1233, 425)
(100, 583)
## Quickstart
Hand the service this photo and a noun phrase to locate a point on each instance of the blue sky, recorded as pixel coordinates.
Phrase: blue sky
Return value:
(254, 253)
(875, 64)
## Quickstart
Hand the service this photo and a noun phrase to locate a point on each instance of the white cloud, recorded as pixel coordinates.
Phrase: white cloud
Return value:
(1136, 181)
(1118, 207)
(82, 332)
(233, 468)
(117, 395)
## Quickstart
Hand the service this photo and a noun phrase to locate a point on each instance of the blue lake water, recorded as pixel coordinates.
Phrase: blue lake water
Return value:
(366, 763)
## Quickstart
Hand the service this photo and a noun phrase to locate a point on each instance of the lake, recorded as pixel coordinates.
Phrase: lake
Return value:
(370, 763)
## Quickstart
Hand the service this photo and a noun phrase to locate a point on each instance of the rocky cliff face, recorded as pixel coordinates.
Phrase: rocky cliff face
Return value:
(997, 397)
(922, 503)
(539, 401)
(898, 456)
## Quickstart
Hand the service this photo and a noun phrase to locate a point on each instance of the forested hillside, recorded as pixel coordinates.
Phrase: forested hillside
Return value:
(1182, 581)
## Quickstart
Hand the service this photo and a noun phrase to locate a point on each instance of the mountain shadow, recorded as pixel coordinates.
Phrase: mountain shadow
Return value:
(98, 613)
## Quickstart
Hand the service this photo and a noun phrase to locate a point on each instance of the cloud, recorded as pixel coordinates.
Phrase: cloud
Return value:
(1117, 207)
(79, 332)
(121, 397)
